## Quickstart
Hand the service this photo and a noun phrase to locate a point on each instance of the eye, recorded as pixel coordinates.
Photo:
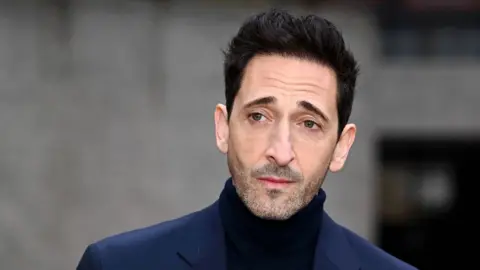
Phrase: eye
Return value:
(258, 117)
(310, 124)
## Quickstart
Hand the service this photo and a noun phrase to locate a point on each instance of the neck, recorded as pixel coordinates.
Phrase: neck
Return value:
(252, 234)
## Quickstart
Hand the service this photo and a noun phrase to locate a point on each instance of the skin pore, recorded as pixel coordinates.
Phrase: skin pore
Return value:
(282, 136)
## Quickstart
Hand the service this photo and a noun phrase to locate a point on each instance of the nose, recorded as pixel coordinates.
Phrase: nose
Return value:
(280, 149)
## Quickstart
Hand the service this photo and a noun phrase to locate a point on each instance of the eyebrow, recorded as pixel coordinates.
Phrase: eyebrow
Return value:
(303, 104)
(312, 108)
(260, 101)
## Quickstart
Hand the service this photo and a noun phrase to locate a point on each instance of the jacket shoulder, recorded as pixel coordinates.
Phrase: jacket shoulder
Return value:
(373, 257)
(144, 236)
(134, 249)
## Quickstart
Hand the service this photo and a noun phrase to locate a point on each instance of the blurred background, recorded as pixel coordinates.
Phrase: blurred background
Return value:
(106, 121)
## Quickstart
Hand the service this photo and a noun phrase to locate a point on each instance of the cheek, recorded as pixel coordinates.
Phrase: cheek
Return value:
(313, 158)
(249, 145)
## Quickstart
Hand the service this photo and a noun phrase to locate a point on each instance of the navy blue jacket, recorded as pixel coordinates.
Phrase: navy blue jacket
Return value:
(196, 241)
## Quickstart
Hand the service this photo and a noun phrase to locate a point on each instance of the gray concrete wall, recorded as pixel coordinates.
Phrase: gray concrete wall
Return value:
(112, 128)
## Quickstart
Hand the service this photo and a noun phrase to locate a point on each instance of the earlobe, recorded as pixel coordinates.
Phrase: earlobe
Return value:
(221, 127)
(343, 147)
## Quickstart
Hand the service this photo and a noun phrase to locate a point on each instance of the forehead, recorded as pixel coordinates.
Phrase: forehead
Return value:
(289, 78)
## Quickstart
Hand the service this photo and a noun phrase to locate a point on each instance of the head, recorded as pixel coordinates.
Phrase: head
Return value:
(289, 88)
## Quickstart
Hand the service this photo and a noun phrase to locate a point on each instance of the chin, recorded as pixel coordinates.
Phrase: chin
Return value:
(274, 215)
(272, 210)
(278, 217)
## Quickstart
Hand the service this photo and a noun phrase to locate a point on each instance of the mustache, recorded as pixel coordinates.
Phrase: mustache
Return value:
(277, 171)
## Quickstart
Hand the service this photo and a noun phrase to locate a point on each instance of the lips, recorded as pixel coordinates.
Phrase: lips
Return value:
(275, 180)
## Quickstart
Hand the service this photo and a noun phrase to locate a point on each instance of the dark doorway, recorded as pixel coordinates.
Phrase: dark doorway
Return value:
(426, 191)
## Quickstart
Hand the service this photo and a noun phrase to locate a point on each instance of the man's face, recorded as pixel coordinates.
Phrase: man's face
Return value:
(282, 136)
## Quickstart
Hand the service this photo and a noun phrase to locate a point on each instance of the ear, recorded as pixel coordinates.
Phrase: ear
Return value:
(342, 148)
(221, 127)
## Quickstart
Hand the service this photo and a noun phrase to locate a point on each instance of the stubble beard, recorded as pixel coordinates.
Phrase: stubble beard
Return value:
(273, 204)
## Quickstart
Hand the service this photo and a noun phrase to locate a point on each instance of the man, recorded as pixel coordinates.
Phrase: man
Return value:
(289, 87)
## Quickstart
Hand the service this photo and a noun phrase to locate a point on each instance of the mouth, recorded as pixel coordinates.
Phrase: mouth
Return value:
(275, 180)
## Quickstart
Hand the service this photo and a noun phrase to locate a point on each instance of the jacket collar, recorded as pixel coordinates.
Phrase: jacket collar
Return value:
(202, 241)
(201, 244)
(333, 250)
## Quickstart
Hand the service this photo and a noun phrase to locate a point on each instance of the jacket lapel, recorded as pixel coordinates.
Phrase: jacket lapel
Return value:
(202, 246)
(333, 250)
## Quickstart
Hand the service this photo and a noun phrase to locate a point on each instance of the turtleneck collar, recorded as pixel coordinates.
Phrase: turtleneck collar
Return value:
(253, 235)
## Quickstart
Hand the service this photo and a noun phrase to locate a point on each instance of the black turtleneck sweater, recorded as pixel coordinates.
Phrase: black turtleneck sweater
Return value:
(253, 243)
